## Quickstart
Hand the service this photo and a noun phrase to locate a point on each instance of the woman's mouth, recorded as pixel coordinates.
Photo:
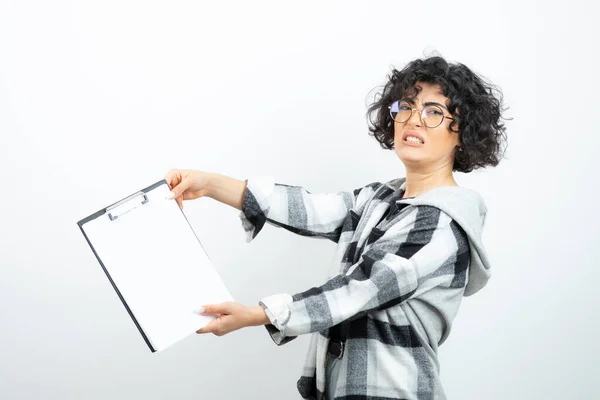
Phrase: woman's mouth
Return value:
(413, 140)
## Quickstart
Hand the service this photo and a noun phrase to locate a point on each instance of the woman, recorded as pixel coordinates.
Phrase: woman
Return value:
(408, 249)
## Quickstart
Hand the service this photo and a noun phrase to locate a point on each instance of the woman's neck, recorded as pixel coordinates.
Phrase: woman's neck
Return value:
(421, 182)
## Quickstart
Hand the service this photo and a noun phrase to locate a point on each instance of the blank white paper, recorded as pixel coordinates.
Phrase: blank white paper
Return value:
(158, 264)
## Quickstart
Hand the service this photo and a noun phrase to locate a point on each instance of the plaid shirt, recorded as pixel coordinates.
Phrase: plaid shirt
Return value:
(398, 277)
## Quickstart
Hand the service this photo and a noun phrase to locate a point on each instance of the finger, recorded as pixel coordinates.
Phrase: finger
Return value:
(213, 309)
(173, 177)
(178, 190)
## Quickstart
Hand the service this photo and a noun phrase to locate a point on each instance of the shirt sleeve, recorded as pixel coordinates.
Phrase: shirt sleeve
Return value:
(297, 210)
(411, 257)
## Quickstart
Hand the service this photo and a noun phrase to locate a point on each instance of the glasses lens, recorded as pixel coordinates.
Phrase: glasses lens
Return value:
(400, 111)
(432, 116)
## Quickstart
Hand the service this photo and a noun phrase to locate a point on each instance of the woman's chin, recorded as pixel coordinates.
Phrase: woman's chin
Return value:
(409, 155)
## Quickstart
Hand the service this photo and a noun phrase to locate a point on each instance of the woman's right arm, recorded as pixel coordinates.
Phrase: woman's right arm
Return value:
(190, 184)
(226, 190)
(261, 200)
(299, 211)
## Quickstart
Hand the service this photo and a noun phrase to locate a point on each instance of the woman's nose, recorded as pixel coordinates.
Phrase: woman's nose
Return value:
(415, 117)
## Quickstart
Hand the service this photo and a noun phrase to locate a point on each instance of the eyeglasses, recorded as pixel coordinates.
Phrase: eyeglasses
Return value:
(431, 115)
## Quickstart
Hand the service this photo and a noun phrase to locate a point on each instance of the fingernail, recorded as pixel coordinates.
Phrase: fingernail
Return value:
(170, 196)
(200, 310)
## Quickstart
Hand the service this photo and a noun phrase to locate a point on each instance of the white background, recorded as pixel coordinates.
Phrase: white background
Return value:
(100, 99)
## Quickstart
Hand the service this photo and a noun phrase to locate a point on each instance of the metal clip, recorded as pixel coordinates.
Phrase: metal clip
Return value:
(126, 205)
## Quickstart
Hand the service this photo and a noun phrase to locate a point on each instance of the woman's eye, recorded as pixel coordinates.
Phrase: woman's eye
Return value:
(434, 112)
(404, 107)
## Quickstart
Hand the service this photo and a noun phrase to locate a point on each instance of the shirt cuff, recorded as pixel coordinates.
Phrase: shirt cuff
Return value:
(278, 309)
(255, 205)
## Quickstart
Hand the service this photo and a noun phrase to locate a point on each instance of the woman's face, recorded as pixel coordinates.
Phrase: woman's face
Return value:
(438, 144)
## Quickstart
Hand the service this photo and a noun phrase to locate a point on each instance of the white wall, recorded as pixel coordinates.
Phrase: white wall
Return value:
(98, 99)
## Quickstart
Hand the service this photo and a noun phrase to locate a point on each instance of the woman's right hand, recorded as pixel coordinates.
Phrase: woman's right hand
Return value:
(186, 184)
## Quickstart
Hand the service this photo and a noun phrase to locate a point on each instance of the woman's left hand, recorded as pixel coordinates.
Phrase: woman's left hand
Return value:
(231, 317)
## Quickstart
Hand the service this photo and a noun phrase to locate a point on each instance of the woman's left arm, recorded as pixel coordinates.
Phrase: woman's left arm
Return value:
(417, 254)
(406, 261)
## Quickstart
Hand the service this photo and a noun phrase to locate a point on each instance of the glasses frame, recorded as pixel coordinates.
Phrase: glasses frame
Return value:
(412, 109)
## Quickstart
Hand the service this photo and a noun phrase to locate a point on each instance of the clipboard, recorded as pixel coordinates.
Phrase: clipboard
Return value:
(155, 263)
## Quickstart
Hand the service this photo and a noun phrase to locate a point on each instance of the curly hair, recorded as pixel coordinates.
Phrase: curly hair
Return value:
(475, 103)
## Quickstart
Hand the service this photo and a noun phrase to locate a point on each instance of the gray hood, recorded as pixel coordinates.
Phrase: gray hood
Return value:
(468, 209)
